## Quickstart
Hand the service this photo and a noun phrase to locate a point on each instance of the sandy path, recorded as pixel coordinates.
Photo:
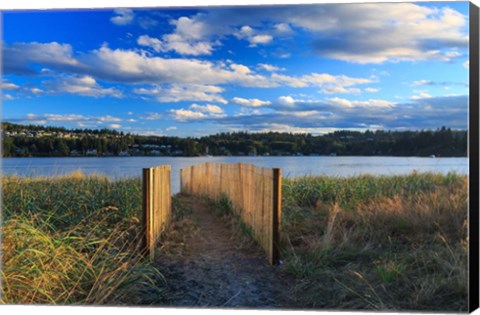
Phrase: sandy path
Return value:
(215, 273)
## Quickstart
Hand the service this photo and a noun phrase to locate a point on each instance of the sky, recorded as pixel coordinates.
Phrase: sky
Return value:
(203, 70)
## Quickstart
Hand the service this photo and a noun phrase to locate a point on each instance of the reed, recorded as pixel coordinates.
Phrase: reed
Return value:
(75, 240)
(379, 243)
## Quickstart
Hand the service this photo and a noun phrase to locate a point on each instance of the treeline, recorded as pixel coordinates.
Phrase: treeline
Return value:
(24, 141)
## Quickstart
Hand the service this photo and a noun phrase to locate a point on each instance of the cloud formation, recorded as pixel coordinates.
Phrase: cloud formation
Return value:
(80, 85)
(9, 86)
(252, 102)
(129, 66)
(184, 92)
(122, 17)
(359, 33)
(19, 57)
(197, 112)
(336, 113)
(252, 36)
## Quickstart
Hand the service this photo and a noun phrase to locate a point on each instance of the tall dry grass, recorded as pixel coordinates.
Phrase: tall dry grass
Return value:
(380, 243)
(74, 240)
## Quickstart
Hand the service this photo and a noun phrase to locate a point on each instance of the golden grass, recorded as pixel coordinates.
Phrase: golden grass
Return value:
(74, 240)
(400, 247)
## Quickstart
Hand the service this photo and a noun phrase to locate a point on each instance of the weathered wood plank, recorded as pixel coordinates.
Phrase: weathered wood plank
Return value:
(255, 194)
(156, 205)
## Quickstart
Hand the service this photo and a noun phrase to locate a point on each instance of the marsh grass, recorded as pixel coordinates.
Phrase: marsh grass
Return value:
(74, 239)
(380, 243)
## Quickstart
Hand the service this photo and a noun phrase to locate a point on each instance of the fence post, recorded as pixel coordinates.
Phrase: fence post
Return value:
(276, 215)
(156, 206)
(147, 211)
(181, 181)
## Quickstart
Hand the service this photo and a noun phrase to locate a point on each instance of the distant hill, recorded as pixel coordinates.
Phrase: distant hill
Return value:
(31, 140)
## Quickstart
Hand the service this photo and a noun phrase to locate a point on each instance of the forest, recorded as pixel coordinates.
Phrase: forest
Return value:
(42, 141)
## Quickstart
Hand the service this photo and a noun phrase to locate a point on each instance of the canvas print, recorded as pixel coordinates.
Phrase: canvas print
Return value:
(309, 157)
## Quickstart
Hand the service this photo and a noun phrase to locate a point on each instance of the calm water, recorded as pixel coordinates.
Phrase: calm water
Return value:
(120, 167)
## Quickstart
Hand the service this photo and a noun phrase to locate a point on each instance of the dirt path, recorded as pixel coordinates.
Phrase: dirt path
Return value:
(215, 273)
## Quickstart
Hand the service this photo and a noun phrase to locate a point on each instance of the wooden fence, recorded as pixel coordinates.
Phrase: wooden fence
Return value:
(255, 194)
(156, 205)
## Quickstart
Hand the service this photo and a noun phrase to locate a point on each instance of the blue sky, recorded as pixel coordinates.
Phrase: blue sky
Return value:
(301, 68)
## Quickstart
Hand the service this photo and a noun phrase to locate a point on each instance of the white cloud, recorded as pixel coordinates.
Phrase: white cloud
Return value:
(177, 43)
(80, 85)
(371, 103)
(209, 109)
(115, 126)
(466, 64)
(184, 92)
(153, 116)
(187, 79)
(151, 42)
(171, 128)
(240, 68)
(123, 17)
(186, 39)
(131, 66)
(360, 32)
(252, 36)
(19, 57)
(422, 82)
(421, 95)
(283, 28)
(371, 90)
(245, 111)
(328, 83)
(339, 90)
(5, 85)
(108, 118)
(270, 68)
(26, 89)
(396, 32)
(338, 113)
(284, 55)
(197, 112)
(190, 28)
(340, 102)
(184, 115)
(286, 100)
(260, 39)
(36, 91)
(252, 102)
(7, 97)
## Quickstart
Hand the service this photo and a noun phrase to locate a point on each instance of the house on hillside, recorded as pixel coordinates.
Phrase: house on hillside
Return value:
(75, 153)
(92, 152)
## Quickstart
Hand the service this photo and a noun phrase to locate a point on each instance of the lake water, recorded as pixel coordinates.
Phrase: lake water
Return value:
(341, 166)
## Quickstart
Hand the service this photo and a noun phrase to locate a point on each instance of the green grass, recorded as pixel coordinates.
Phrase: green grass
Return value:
(75, 240)
(379, 243)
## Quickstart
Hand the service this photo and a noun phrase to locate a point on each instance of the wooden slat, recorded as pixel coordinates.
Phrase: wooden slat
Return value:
(255, 194)
(277, 213)
(146, 210)
(156, 205)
